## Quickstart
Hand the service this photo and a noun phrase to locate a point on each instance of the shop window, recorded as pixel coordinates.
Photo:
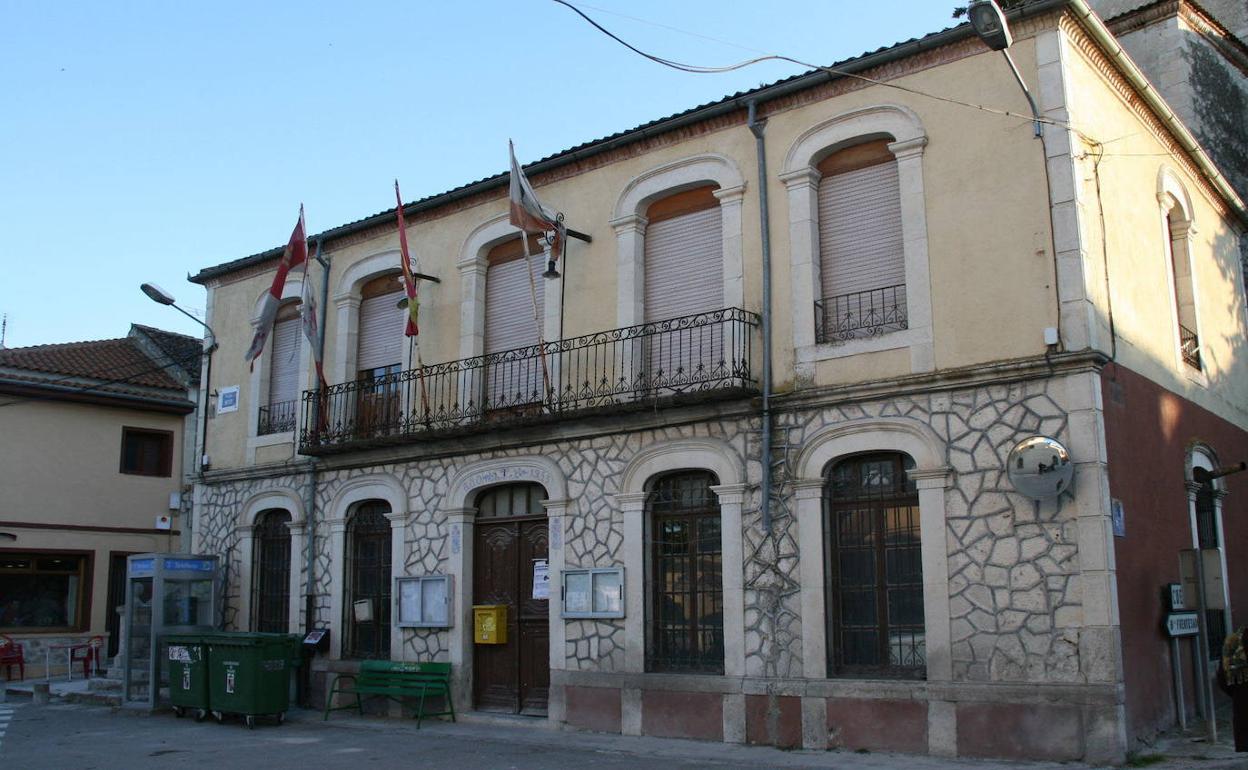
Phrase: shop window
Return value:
(146, 452)
(42, 592)
(686, 628)
(874, 571)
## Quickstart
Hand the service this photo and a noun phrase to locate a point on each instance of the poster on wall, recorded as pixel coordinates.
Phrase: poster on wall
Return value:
(541, 579)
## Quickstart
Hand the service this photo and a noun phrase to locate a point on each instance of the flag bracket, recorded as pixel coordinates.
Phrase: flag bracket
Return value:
(580, 236)
(426, 277)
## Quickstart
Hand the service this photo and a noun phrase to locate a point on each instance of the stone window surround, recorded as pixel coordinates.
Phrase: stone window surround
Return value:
(376, 486)
(629, 223)
(931, 476)
(473, 266)
(1172, 193)
(801, 178)
(258, 379)
(1202, 456)
(340, 363)
(251, 510)
(690, 454)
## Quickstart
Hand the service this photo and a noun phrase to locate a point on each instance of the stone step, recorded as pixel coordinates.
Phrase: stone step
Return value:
(95, 698)
(104, 685)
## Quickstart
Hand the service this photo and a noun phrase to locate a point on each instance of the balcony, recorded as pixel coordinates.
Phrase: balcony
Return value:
(861, 315)
(680, 360)
(277, 418)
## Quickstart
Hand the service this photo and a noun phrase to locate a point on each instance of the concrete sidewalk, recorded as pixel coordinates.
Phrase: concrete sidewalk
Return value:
(80, 736)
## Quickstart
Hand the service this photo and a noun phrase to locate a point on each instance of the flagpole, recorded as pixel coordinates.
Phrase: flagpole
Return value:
(541, 342)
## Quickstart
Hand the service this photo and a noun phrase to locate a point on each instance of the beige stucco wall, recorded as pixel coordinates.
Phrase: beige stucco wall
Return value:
(1134, 159)
(989, 243)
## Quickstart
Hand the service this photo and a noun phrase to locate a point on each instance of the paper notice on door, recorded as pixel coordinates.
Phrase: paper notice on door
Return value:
(541, 579)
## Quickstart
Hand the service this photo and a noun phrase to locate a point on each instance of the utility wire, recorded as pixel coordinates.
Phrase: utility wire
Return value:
(88, 388)
(703, 70)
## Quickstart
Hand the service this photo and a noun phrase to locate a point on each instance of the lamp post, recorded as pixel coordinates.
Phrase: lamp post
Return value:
(988, 21)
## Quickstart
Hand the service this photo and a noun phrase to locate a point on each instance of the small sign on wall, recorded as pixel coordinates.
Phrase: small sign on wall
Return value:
(1118, 517)
(541, 579)
(424, 602)
(227, 399)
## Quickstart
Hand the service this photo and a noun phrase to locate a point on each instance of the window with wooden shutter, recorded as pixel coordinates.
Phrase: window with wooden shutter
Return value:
(861, 253)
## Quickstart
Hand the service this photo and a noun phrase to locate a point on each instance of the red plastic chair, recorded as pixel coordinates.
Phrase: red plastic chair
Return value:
(11, 655)
(88, 652)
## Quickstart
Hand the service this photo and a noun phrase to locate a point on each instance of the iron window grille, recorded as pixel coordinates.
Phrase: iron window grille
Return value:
(277, 418)
(271, 572)
(1189, 346)
(861, 315)
(875, 575)
(368, 579)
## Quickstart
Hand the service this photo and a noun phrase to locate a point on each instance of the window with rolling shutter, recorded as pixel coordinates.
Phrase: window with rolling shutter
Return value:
(509, 324)
(861, 251)
(684, 275)
(381, 333)
(277, 414)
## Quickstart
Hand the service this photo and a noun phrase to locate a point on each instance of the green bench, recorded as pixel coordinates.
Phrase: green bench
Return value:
(395, 680)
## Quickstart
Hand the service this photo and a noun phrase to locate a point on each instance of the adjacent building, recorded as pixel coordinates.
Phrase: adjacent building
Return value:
(788, 522)
(92, 436)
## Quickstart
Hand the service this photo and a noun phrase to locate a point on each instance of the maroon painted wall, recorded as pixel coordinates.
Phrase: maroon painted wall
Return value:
(1148, 431)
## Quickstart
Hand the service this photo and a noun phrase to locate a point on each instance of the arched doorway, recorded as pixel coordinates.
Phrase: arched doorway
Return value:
(511, 540)
(368, 578)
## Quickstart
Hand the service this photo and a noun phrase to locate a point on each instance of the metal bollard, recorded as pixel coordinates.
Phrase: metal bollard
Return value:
(40, 694)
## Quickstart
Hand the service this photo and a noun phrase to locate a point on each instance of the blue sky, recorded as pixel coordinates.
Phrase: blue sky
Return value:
(142, 141)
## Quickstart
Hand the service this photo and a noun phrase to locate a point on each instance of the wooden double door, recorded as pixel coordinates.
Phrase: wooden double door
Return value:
(514, 677)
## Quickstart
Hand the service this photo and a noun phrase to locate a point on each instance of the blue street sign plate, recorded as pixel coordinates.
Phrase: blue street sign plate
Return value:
(1182, 624)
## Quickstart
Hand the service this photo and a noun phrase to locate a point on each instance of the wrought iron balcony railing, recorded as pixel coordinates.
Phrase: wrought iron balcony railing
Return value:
(693, 357)
(277, 418)
(1189, 346)
(861, 314)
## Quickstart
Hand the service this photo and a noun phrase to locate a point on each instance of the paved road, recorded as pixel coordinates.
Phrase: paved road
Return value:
(76, 737)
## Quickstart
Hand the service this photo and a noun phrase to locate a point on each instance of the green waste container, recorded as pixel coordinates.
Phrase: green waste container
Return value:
(187, 655)
(249, 675)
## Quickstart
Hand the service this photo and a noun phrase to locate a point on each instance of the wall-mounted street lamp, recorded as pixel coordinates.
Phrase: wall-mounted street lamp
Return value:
(160, 296)
(988, 21)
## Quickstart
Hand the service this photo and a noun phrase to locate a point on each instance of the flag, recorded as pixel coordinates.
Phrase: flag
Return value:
(307, 314)
(295, 254)
(528, 213)
(405, 261)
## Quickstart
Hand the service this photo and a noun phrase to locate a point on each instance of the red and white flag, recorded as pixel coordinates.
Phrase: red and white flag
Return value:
(295, 254)
(307, 314)
(528, 213)
(405, 262)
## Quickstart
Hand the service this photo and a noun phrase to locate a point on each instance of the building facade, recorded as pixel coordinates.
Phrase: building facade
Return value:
(590, 451)
(92, 435)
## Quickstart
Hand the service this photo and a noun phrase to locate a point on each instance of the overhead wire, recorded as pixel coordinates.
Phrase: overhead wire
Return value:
(706, 70)
(94, 386)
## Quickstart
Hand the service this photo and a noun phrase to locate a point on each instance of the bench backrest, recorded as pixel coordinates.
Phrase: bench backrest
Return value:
(396, 672)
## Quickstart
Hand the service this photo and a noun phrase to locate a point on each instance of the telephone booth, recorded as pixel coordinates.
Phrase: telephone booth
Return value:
(166, 593)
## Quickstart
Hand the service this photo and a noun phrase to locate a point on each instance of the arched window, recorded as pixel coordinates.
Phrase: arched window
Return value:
(367, 609)
(270, 581)
(862, 264)
(515, 307)
(278, 412)
(874, 571)
(1177, 231)
(684, 255)
(686, 629)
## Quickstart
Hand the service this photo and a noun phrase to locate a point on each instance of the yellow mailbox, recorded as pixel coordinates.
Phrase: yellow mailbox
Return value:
(489, 623)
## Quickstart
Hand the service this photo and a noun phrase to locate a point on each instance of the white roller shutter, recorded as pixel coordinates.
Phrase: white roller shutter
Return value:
(684, 265)
(284, 362)
(509, 304)
(381, 332)
(860, 240)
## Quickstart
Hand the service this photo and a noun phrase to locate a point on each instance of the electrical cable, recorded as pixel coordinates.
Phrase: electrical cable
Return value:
(87, 388)
(703, 70)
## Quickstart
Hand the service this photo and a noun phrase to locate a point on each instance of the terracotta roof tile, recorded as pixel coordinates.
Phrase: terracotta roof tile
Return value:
(119, 362)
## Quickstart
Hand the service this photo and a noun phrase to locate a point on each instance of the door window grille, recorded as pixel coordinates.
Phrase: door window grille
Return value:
(368, 580)
(874, 572)
(271, 572)
(687, 607)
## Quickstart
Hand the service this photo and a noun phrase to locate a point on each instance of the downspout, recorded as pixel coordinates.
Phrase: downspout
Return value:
(756, 128)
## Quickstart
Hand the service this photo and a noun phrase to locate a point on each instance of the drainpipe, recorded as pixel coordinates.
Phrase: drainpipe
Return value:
(756, 128)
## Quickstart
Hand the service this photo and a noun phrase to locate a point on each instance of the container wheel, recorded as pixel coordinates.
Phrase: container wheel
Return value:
(179, 712)
(217, 715)
(201, 715)
(251, 721)
(281, 717)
